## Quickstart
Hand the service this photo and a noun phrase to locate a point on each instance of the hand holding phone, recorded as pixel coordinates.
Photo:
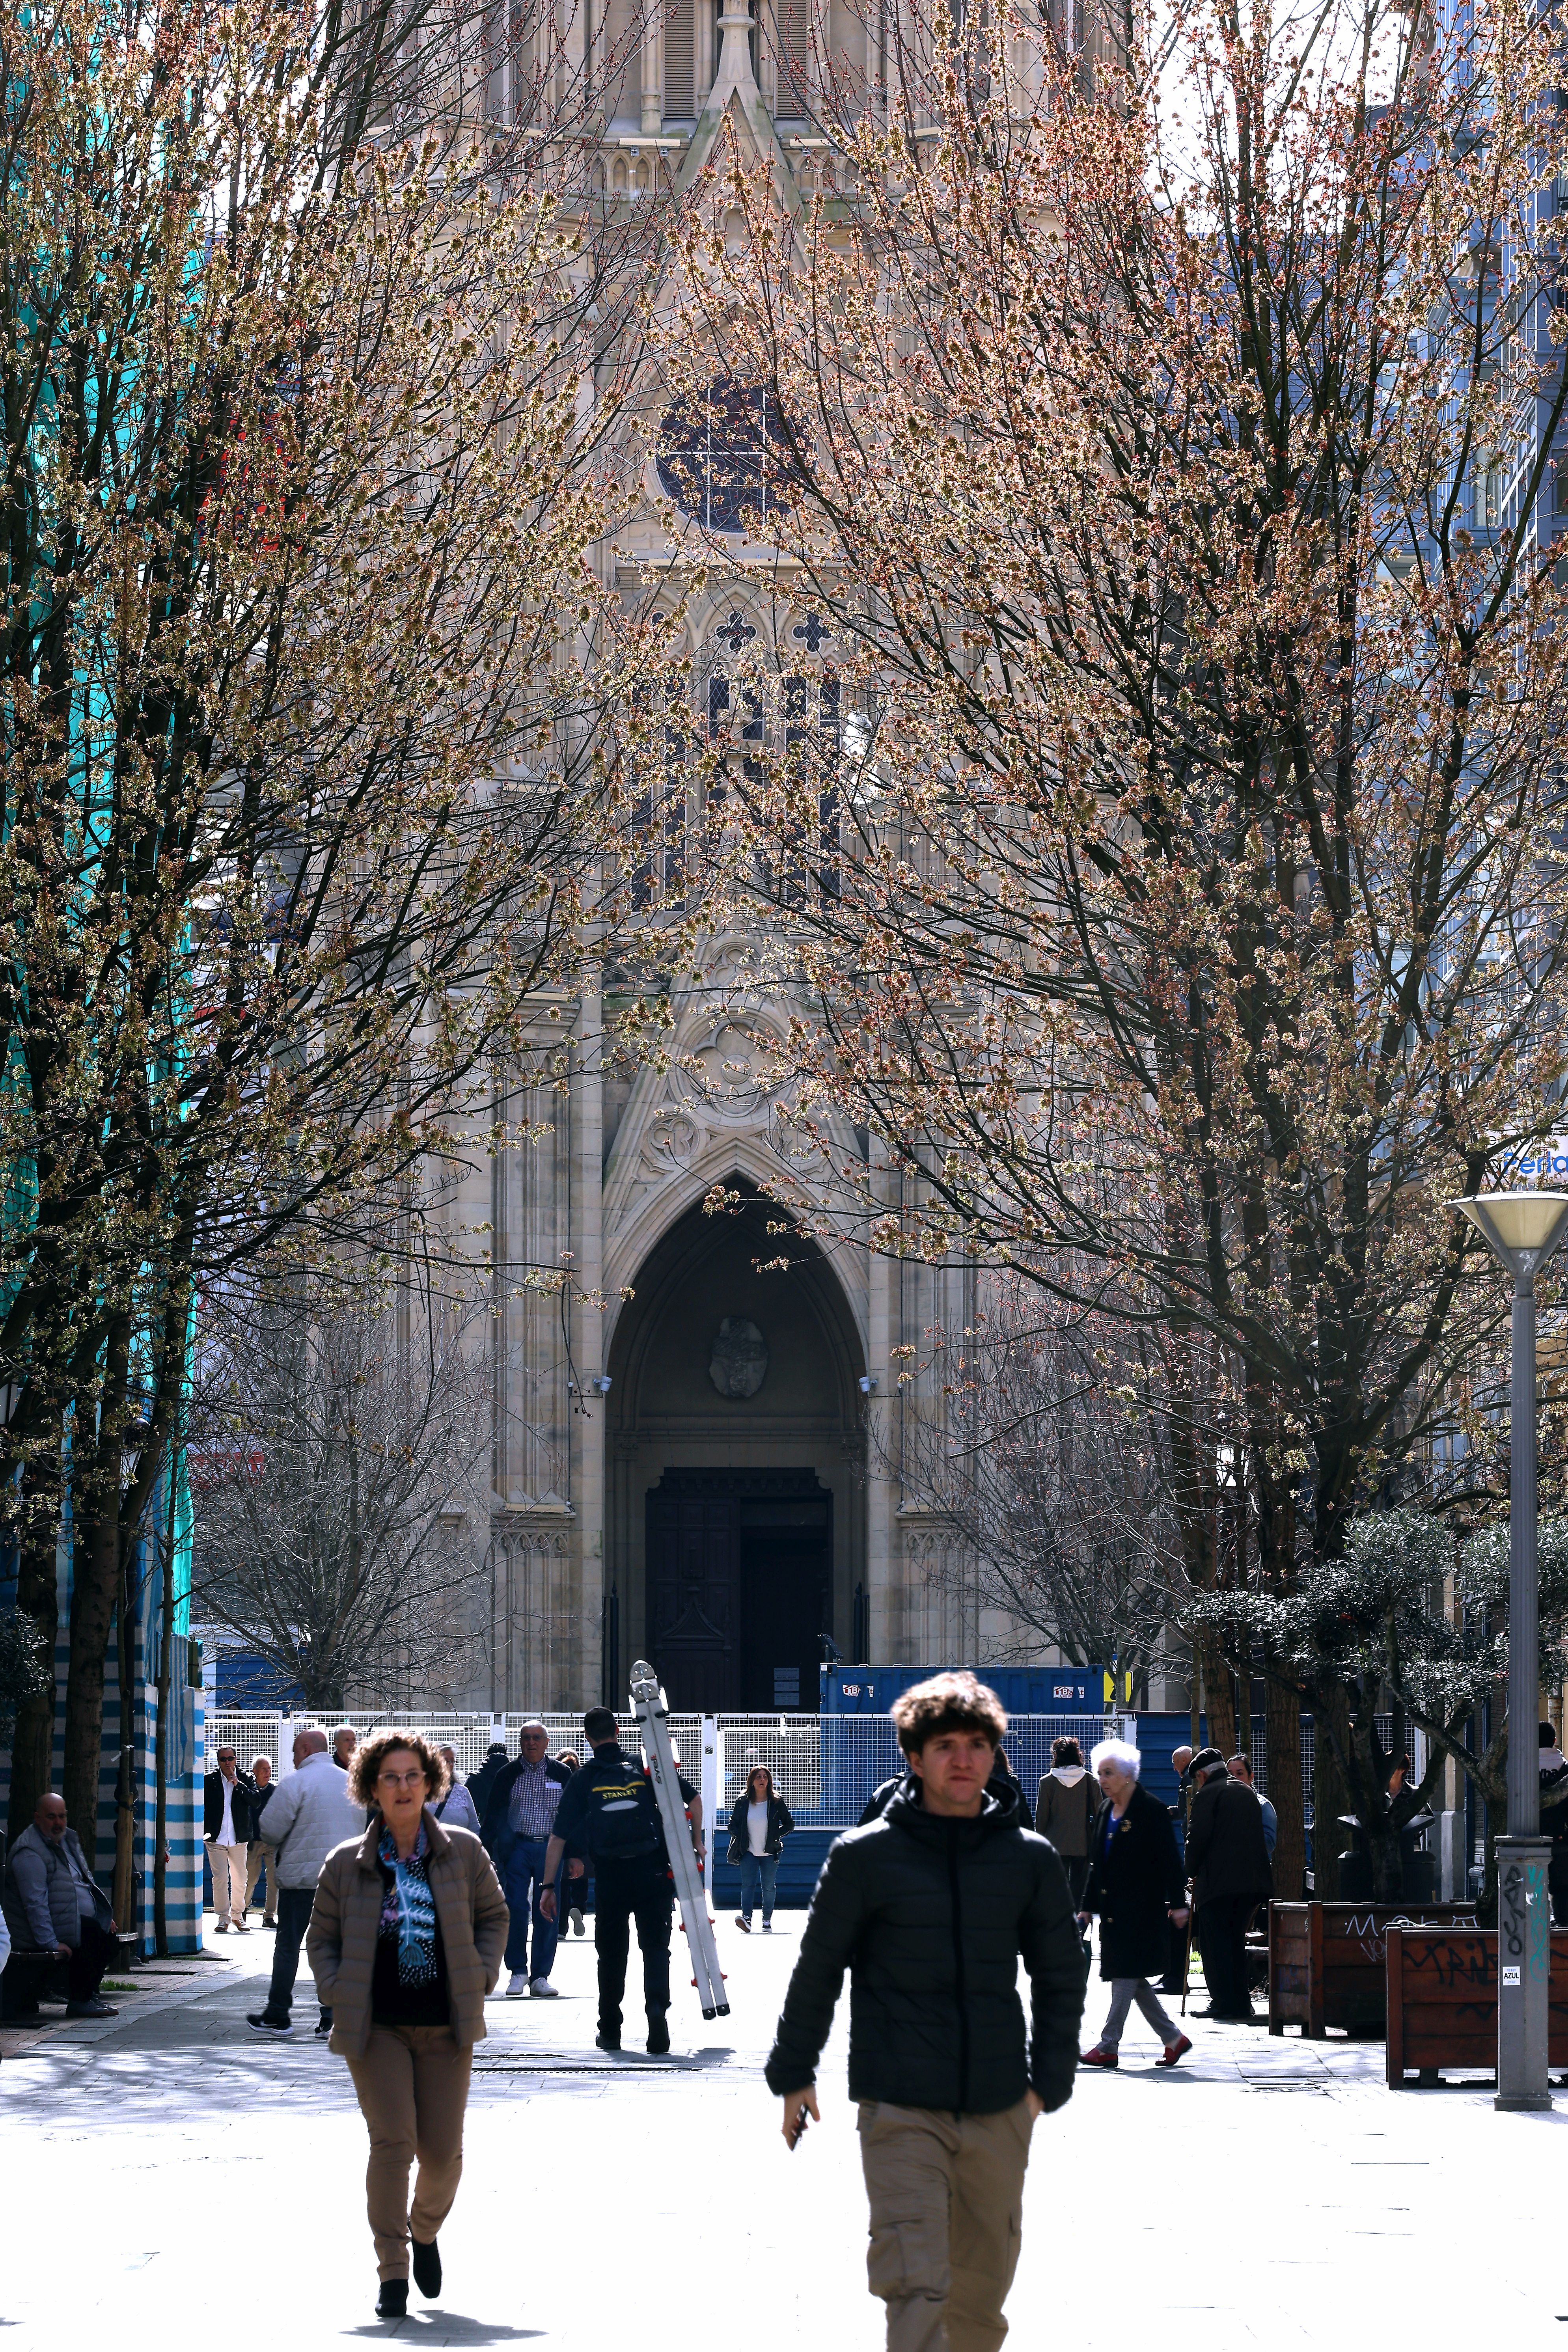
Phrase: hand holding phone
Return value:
(797, 2106)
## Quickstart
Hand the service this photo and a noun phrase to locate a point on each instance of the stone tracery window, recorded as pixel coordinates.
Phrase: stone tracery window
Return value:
(788, 698)
(717, 455)
(659, 810)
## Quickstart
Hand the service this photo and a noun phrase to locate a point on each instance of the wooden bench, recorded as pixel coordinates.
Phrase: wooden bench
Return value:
(1326, 1962)
(1442, 2002)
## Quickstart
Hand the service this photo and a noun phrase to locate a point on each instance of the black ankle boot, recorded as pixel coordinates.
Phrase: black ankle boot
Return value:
(391, 2303)
(426, 2268)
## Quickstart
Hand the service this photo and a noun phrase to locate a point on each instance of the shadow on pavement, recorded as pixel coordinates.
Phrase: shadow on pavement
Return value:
(447, 2327)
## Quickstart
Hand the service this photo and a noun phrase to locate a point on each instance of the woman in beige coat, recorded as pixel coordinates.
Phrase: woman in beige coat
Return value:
(405, 1939)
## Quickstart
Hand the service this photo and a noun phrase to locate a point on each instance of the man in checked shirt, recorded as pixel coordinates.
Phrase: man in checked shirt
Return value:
(518, 1817)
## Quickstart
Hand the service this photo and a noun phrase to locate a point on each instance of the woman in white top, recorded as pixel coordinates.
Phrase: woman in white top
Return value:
(758, 1828)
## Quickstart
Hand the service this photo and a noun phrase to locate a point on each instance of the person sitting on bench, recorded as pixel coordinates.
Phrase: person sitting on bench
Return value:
(53, 1904)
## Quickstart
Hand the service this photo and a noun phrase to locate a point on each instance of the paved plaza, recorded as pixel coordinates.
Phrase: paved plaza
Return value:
(171, 2181)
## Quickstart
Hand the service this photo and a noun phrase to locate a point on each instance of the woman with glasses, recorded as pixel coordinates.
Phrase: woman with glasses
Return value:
(405, 1940)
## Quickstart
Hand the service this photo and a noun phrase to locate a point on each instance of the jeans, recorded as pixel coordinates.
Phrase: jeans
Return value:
(623, 1891)
(947, 2206)
(294, 1906)
(523, 1884)
(759, 1873)
(1124, 1991)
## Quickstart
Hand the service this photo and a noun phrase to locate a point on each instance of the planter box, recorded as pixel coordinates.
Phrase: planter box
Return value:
(1326, 1961)
(1442, 2002)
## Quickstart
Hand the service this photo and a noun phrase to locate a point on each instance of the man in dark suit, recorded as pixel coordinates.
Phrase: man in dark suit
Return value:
(1227, 1864)
(1174, 1979)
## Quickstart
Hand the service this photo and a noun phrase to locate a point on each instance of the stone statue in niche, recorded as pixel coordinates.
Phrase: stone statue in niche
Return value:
(740, 1363)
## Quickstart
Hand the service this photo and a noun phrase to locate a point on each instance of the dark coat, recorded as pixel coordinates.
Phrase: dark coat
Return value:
(1132, 1885)
(1227, 1850)
(930, 1915)
(242, 1806)
(482, 1782)
(781, 1821)
(1001, 1785)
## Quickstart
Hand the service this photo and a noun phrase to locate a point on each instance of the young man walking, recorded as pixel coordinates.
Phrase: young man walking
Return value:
(929, 1910)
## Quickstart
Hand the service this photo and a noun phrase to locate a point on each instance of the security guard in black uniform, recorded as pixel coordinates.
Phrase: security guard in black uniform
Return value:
(608, 1810)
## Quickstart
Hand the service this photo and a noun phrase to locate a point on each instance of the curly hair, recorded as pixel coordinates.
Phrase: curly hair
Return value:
(951, 1702)
(371, 1754)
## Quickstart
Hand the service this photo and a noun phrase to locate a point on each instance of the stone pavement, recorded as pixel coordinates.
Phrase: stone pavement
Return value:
(170, 2181)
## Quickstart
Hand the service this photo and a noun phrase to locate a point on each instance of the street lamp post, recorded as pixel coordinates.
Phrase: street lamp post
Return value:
(1523, 1228)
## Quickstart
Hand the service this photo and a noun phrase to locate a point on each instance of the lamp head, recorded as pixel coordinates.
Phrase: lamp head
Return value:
(1523, 1228)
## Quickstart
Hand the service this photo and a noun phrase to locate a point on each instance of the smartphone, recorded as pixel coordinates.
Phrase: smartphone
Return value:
(798, 2122)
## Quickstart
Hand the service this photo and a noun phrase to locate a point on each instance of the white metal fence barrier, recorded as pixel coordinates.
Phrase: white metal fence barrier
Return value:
(824, 1767)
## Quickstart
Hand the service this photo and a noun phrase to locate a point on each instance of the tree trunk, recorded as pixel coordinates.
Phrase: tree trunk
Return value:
(37, 1597)
(125, 1778)
(95, 1578)
(1367, 1773)
(1327, 1804)
(1282, 1747)
(1218, 1692)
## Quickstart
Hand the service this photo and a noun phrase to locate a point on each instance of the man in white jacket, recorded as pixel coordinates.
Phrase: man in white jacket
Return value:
(308, 1816)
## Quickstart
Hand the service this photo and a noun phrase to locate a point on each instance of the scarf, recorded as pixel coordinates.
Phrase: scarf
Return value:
(408, 1908)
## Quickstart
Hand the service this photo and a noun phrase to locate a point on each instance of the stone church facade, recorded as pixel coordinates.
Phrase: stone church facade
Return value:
(695, 1459)
(696, 1451)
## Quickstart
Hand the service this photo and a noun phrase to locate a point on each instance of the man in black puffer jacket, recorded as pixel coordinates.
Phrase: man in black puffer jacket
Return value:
(930, 1908)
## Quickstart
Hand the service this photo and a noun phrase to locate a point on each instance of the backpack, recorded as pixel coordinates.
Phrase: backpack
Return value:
(625, 1827)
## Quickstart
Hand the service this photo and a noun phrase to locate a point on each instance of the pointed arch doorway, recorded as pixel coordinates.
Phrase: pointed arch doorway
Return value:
(735, 1526)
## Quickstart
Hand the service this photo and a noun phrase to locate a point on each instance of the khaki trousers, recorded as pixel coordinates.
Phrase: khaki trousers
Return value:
(227, 1865)
(947, 2201)
(413, 2086)
(260, 1854)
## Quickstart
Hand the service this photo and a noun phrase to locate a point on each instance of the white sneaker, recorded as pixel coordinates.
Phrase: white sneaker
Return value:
(542, 1989)
(518, 1986)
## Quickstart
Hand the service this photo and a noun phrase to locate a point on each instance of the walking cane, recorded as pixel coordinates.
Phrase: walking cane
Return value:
(1187, 1960)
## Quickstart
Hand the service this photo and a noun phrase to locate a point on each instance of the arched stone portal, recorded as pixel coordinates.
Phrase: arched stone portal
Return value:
(736, 1503)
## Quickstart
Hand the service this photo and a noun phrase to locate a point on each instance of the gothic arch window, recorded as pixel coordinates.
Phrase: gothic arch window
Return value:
(658, 810)
(812, 711)
(733, 698)
(787, 697)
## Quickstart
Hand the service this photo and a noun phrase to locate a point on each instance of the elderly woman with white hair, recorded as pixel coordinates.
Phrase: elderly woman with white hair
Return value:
(1136, 1884)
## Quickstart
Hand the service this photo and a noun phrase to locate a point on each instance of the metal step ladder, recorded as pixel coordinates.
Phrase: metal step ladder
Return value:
(652, 1713)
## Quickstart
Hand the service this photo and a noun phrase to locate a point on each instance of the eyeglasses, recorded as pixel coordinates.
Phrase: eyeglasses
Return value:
(226, 1756)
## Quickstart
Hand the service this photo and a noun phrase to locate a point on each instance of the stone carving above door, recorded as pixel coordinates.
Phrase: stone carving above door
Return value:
(729, 1075)
(672, 1140)
(738, 1365)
